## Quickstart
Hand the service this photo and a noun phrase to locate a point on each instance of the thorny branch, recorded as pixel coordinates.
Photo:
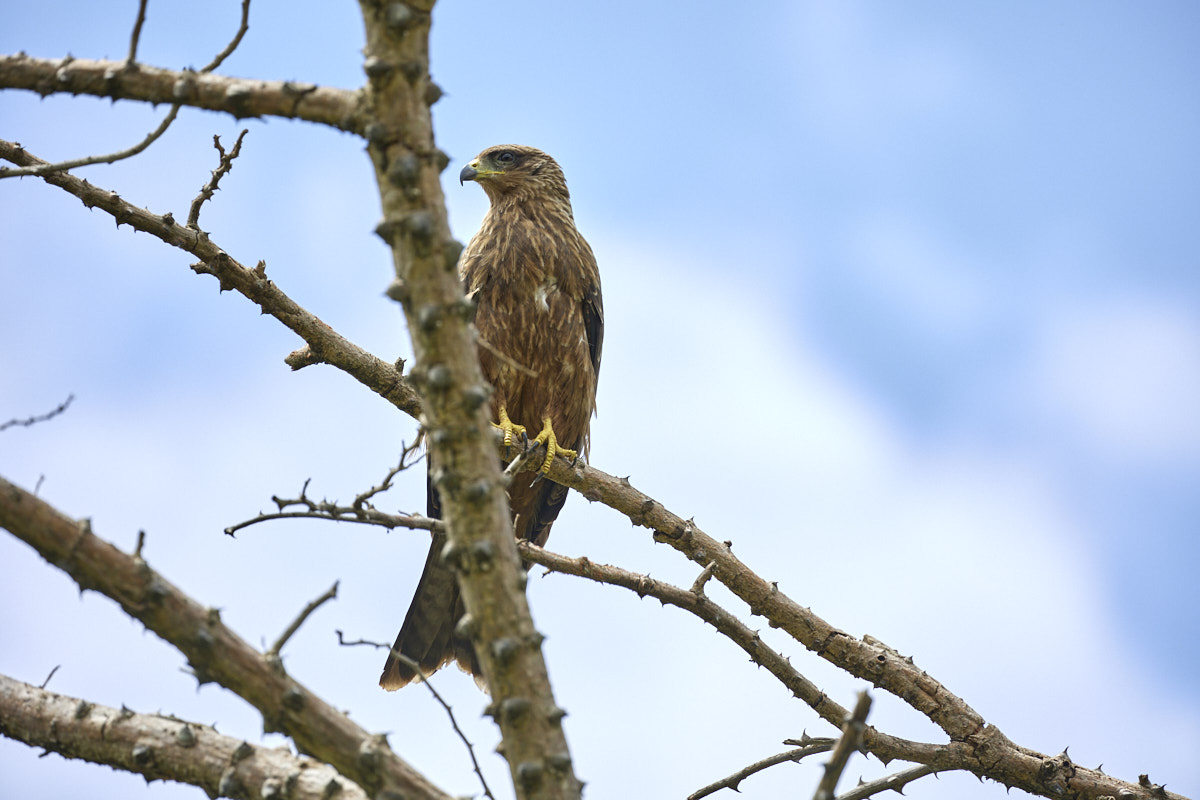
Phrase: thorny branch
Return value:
(733, 781)
(725, 623)
(341, 109)
(894, 782)
(223, 168)
(214, 652)
(326, 345)
(360, 510)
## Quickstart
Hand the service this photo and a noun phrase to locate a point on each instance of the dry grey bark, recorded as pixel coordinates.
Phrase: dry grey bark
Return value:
(164, 748)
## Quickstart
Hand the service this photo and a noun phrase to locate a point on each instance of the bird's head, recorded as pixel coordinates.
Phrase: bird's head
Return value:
(512, 170)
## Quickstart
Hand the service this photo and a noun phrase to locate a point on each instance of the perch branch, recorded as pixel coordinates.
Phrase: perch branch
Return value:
(730, 627)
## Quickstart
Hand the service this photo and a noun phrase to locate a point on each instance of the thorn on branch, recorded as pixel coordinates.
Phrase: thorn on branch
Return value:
(304, 357)
(51, 675)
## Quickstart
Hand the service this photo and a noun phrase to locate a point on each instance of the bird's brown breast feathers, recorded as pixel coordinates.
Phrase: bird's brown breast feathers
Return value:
(531, 273)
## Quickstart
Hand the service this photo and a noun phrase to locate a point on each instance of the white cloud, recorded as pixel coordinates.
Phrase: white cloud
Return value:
(1122, 377)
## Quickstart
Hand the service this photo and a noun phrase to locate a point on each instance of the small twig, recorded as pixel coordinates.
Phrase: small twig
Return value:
(406, 452)
(141, 541)
(408, 662)
(361, 512)
(62, 166)
(223, 168)
(702, 578)
(51, 414)
(234, 42)
(295, 626)
(137, 33)
(850, 740)
(895, 782)
(815, 746)
(51, 675)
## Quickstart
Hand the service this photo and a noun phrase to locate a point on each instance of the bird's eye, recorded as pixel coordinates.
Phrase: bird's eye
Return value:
(506, 157)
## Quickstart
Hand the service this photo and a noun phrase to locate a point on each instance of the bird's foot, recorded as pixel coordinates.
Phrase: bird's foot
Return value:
(548, 438)
(509, 427)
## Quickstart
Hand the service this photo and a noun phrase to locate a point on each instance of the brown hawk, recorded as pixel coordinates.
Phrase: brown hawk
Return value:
(540, 324)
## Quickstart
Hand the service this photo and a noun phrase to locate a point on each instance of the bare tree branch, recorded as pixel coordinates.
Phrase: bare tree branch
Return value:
(215, 653)
(360, 510)
(240, 97)
(163, 748)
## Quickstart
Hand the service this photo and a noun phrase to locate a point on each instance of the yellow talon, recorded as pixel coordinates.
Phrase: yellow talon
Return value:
(548, 438)
(509, 427)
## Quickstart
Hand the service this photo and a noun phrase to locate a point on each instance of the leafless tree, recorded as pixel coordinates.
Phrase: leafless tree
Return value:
(391, 115)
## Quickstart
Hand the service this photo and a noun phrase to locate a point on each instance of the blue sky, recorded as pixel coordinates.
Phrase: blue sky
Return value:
(902, 298)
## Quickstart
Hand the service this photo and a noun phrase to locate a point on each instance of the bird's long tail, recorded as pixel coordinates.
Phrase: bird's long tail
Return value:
(427, 637)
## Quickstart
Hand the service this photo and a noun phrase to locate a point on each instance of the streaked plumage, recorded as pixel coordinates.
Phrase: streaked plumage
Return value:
(540, 320)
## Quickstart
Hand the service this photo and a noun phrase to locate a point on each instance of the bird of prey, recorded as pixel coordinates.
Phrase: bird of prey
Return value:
(540, 325)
